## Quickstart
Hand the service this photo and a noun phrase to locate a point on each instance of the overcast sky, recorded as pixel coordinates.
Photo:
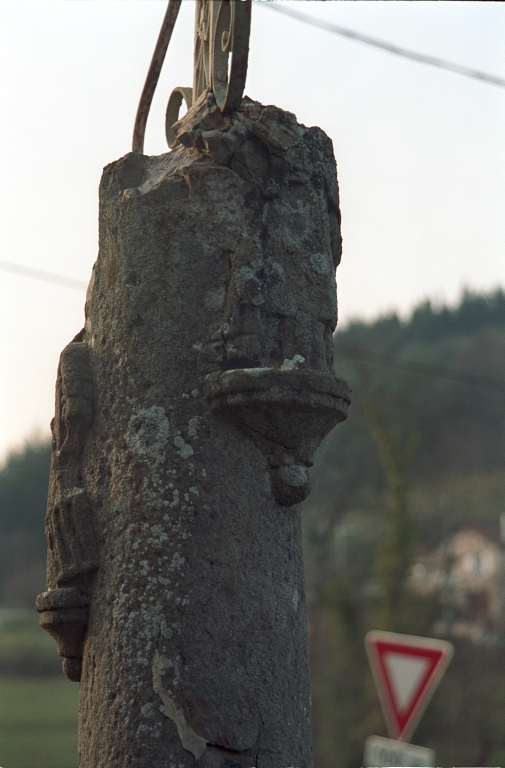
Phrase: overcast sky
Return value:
(420, 153)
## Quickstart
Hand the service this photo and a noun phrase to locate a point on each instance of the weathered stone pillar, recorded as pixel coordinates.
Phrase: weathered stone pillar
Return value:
(188, 411)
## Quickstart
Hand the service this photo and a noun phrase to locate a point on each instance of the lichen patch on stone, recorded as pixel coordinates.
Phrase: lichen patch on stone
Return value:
(185, 450)
(290, 365)
(193, 427)
(148, 432)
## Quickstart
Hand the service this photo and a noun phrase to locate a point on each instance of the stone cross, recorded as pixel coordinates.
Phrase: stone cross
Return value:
(188, 411)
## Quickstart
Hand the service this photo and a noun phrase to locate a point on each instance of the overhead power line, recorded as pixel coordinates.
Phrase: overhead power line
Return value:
(392, 361)
(47, 277)
(420, 57)
(426, 369)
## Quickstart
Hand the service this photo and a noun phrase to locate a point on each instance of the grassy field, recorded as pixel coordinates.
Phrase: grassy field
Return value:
(38, 715)
(38, 723)
(24, 647)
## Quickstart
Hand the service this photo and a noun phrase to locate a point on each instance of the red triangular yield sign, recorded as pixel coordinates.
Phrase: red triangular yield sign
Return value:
(407, 670)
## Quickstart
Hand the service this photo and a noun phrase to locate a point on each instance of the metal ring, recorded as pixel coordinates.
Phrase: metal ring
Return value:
(173, 108)
(153, 74)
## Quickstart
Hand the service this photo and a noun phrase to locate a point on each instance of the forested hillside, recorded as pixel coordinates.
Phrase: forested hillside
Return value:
(420, 457)
(23, 494)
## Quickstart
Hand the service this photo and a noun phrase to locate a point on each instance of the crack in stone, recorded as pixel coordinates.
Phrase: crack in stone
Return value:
(189, 739)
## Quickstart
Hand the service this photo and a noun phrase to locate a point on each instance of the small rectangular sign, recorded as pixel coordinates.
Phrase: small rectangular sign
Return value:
(386, 753)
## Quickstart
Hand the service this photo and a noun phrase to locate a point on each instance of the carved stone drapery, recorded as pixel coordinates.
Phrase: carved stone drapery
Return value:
(73, 551)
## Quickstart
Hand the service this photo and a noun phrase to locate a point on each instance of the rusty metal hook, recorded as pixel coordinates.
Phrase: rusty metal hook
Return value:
(222, 28)
(153, 74)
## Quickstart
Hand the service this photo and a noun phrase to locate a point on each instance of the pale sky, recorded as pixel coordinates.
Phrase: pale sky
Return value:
(420, 153)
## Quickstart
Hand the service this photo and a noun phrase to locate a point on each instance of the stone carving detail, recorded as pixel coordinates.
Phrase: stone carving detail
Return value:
(268, 366)
(72, 546)
(287, 412)
(211, 311)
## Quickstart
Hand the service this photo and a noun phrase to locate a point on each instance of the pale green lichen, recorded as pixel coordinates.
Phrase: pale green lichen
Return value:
(185, 450)
(291, 365)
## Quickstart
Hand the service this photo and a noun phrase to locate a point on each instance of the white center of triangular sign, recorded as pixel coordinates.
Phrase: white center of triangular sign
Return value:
(405, 673)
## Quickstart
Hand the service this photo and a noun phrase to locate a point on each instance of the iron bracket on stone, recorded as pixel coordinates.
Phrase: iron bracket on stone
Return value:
(222, 28)
(287, 412)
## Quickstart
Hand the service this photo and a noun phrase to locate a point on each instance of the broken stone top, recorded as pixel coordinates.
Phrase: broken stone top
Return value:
(216, 136)
(274, 301)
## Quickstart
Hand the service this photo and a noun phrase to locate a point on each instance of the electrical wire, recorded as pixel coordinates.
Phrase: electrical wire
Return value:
(405, 52)
(426, 369)
(392, 361)
(47, 277)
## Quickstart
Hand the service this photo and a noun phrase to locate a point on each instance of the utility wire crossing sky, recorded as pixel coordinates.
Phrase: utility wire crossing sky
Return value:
(70, 282)
(392, 361)
(421, 57)
(46, 277)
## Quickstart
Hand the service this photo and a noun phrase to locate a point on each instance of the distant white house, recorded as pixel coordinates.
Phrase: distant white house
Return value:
(467, 574)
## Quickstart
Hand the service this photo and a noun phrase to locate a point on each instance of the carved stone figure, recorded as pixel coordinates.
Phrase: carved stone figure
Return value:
(73, 552)
(187, 415)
